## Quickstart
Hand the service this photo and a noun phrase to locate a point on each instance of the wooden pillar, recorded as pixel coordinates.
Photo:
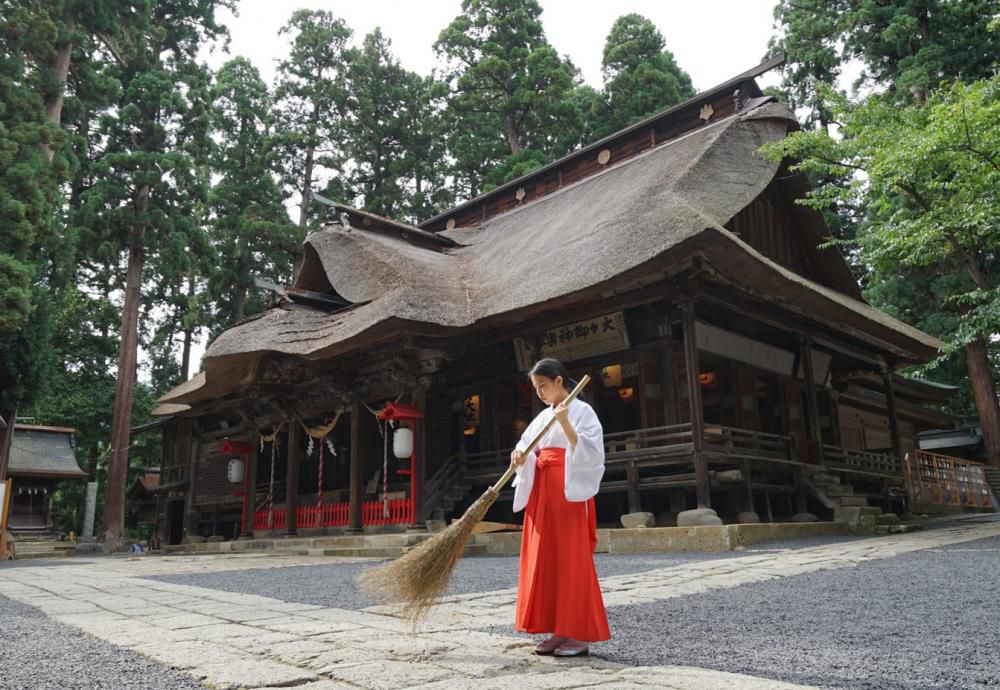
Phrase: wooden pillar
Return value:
(702, 486)
(419, 465)
(292, 478)
(190, 512)
(746, 489)
(250, 485)
(632, 477)
(815, 430)
(357, 470)
(890, 401)
(801, 503)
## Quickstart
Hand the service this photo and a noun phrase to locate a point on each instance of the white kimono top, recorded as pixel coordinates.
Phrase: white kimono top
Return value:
(584, 464)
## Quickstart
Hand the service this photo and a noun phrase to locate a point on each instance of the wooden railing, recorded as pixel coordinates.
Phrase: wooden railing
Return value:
(861, 461)
(933, 478)
(337, 515)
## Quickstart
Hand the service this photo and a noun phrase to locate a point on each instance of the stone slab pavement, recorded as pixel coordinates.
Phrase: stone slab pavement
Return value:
(233, 640)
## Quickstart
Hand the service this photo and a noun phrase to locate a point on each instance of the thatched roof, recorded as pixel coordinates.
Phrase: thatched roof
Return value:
(637, 218)
(43, 451)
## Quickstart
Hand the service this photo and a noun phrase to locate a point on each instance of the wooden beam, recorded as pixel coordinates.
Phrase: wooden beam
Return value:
(419, 466)
(357, 468)
(632, 477)
(292, 477)
(702, 485)
(890, 401)
(746, 489)
(812, 401)
(190, 513)
(250, 486)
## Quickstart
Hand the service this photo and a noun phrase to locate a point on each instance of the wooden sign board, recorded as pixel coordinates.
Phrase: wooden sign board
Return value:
(597, 336)
(6, 487)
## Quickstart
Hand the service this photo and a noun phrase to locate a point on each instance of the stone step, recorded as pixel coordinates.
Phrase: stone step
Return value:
(887, 519)
(835, 490)
(853, 501)
(383, 552)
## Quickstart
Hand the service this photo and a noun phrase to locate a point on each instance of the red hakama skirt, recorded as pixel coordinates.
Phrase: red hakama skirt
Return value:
(557, 590)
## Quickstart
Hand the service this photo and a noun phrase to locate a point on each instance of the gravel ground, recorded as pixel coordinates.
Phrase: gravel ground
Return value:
(927, 620)
(36, 653)
(334, 585)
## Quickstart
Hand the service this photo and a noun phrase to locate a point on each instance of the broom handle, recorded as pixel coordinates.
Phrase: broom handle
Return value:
(538, 437)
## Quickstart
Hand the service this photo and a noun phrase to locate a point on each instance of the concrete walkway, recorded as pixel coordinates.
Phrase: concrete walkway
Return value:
(233, 640)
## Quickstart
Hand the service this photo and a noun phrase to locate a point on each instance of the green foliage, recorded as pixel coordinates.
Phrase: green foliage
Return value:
(251, 233)
(392, 134)
(31, 249)
(907, 47)
(641, 76)
(929, 180)
(509, 90)
(311, 99)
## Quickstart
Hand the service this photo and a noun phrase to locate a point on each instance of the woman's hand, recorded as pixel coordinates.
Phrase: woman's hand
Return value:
(517, 458)
(561, 413)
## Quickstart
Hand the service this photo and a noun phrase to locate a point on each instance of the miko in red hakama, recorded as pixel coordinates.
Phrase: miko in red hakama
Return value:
(558, 591)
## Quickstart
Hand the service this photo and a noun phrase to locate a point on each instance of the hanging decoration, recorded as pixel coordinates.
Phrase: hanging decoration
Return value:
(383, 427)
(320, 433)
(273, 440)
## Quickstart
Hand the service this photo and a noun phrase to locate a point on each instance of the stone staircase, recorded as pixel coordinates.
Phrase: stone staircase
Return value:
(830, 490)
(41, 545)
(993, 479)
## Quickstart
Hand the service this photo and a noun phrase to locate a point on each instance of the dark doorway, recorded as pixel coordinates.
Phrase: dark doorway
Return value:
(175, 521)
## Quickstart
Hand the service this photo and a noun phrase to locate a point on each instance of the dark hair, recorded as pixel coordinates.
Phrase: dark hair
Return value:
(550, 369)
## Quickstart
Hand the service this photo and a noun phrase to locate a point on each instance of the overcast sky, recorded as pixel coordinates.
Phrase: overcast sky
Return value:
(713, 40)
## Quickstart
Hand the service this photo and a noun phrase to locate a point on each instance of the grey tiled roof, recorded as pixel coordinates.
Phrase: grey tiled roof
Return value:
(39, 453)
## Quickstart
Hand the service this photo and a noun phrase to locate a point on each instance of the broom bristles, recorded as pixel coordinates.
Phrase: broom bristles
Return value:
(420, 576)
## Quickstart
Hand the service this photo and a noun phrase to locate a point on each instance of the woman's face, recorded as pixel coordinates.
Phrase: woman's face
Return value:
(550, 391)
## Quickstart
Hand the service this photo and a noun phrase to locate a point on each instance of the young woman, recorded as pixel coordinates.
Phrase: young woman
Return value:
(558, 592)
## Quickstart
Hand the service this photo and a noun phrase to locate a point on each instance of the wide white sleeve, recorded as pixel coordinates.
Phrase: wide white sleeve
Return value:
(525, 474)
(585, 463)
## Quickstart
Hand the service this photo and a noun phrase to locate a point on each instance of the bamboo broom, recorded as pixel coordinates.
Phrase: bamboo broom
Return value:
(420, 576)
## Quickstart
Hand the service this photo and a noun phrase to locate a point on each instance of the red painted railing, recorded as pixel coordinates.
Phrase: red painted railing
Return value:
(337, 515)
(400, 512)
(269, 519)
(937, 478)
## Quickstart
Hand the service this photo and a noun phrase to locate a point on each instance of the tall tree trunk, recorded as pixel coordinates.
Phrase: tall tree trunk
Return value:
(307, 187)
(113, 517)
(188, 337)
(513, 137)
(984, 391)
(54, 103)
(241, 302)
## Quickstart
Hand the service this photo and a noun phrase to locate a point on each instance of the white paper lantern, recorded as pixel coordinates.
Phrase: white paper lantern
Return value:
(402, 442)
(235, 470)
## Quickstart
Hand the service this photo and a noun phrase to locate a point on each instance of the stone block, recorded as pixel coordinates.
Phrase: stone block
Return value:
(887, 519)
(215, 539)
(854, 501)
(435, 525)
(700, 517)
(748, 518)
(840, 490)
(194, 539)
(804, 517)
(668, 539)
(638, 520)
(745, 535)
(847, 514)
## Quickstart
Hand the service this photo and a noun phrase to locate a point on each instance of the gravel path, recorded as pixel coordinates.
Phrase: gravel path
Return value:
(927, 620)
(36, 653)
(334, 585)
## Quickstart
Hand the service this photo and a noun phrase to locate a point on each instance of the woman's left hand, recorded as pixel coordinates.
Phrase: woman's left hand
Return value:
(561, 413)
